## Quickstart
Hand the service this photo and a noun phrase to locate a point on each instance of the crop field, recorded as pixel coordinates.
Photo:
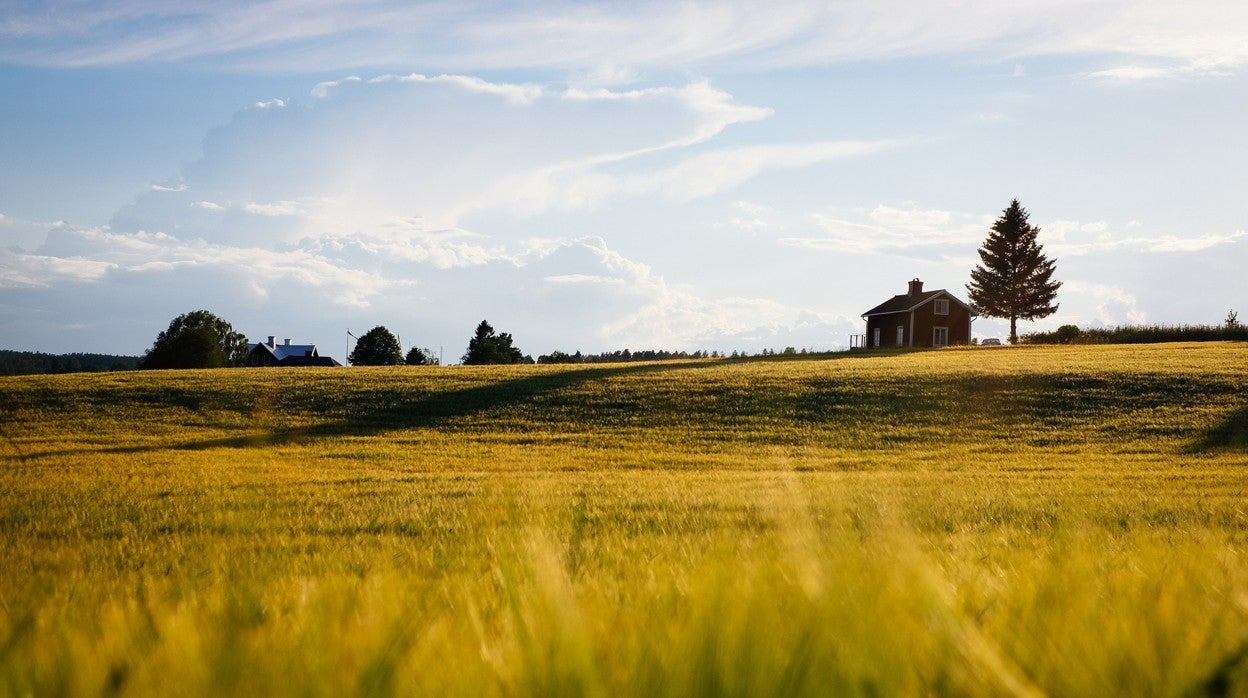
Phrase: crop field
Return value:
(1066, 521)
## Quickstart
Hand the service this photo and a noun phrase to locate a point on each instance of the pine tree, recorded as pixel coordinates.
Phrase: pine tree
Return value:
(1016, 279)
(486, 347)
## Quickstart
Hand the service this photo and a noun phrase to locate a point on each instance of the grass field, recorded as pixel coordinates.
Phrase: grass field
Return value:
(1067, 521)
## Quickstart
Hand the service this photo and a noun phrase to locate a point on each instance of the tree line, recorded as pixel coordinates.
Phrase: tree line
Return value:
(16, 363)
(200, 339)
(1230, 330)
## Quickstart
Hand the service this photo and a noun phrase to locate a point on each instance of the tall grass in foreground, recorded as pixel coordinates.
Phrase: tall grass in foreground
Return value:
(1000, 522)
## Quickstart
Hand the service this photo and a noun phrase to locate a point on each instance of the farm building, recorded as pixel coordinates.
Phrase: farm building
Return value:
(286, 354)
(919, 318)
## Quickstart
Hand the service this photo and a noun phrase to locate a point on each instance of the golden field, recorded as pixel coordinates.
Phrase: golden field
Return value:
(1062, 521)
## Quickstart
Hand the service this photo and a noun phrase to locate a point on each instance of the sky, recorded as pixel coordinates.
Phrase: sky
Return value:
(594, 176)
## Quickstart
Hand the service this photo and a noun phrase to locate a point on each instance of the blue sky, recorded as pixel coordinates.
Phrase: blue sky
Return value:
(594, 176)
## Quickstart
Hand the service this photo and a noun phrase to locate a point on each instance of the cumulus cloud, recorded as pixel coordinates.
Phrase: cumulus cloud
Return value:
(450, 147)
(1112, 305)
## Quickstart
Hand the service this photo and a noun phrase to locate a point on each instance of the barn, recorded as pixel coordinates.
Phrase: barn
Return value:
(919, 318)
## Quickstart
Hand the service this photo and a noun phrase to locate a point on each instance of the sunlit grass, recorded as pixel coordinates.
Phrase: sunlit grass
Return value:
(1064, 521)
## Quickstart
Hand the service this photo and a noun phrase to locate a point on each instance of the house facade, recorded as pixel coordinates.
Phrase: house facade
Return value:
(919, 318)
(286, 354)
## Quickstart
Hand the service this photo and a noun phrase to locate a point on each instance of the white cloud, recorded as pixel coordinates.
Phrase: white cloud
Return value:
(909, 218)
(1136, 73)
(1113, 305)
(1062, 229)
(323, 89)
(279, 208)
(581, 279)
(180, 187)
(19, 270)
(271, 104)
(749, 216)
(709, 173)
(208, 206)
(516, 94)
(991, 117)
(1104, 240)
(891, 230)
(607, 39)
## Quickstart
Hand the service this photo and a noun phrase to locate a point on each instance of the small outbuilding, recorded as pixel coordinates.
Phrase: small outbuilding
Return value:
(286, 354)
(919, 318)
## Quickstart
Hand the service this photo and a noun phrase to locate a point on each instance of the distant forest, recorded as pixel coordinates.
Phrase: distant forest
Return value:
(16, 363)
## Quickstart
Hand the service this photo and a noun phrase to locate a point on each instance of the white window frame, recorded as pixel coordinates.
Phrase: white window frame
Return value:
(936, 336)
(942, 306)
(901, 335)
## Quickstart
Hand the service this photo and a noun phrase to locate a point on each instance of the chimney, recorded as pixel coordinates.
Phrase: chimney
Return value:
(271, 340)
(916, 286)
(288, 341)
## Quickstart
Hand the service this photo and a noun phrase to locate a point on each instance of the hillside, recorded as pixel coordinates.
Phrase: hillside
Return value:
(909, 523)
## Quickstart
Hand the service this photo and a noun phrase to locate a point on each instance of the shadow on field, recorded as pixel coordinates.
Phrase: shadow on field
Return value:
(380, 411)
(1231, 434)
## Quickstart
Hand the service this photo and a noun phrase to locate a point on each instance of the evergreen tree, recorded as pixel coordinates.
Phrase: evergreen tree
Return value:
(487, 347)
(420, 357)
(377, 347)
(197, 339)
(1016, 279)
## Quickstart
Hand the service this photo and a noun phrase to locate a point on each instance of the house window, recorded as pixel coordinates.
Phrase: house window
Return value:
(942, 307)
(940, 336)
(875, 338)
(901, 335)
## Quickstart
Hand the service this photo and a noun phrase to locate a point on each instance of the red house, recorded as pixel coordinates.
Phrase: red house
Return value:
(919, 319)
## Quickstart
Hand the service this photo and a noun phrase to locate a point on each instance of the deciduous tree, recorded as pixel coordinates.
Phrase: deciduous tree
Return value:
(1015, 279)
(376, 347)
(197, 339)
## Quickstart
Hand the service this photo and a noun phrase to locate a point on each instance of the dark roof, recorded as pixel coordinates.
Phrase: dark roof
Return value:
(284, 351)
(905, 302)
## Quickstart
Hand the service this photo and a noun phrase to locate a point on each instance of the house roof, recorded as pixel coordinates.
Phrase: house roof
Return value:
(905, 302)
(283, 351)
